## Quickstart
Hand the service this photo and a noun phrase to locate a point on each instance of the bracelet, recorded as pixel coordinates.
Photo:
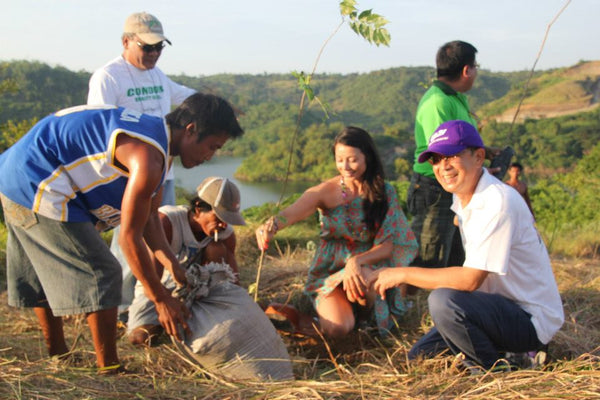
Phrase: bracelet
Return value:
(274, 225)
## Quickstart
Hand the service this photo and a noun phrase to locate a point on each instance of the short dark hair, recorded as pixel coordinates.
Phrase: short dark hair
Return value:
(517, 164)
(212, 115)
(452, 57)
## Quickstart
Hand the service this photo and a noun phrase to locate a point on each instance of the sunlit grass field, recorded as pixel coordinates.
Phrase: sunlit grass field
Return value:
(363, 366)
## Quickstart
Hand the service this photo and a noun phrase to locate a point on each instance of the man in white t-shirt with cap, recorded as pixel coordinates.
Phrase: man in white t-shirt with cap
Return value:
(133, 80)
(504, 298)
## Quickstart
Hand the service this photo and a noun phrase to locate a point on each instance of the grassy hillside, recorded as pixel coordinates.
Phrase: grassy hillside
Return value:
(557, 92)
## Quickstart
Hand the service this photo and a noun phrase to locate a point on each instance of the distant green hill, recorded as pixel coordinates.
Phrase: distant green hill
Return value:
(371, 100)
(383, 102)
(41, 90)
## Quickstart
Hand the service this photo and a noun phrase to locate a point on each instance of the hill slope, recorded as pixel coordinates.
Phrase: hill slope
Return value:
(555, 93)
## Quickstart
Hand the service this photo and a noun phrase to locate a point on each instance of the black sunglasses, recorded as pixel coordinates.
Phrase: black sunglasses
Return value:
(435, 159)
(149, 48)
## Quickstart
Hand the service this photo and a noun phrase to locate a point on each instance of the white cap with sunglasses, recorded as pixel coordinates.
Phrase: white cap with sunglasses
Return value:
(146, 26)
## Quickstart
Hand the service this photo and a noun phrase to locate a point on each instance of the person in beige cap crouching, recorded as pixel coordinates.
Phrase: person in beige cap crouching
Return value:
(229, 331)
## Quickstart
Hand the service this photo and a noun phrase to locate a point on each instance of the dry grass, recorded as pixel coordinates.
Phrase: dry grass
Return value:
(363, 366)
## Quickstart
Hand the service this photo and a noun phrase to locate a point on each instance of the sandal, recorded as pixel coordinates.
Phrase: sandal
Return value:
(302, 323)
(116, 369)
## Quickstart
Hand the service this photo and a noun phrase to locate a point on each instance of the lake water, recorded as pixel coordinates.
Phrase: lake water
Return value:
(253, 194)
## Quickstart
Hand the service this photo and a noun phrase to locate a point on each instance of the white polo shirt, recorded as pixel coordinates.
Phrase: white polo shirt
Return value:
(499, 236)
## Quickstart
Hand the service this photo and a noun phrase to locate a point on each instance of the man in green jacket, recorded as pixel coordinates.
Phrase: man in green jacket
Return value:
(429, 204)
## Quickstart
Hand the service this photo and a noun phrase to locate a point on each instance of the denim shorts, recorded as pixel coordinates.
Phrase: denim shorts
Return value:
(65, 266)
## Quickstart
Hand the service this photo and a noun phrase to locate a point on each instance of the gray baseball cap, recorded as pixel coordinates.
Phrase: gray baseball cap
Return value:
(224, 198)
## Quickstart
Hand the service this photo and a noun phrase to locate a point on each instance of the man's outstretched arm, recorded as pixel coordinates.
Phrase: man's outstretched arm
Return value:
(145, 165)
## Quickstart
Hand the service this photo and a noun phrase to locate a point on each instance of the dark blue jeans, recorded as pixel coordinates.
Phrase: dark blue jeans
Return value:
(433, 223)
(482, 326)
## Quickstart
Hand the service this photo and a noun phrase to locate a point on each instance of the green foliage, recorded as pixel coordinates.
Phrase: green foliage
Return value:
(304, 85)
(312, 160)
(402, 167)
(7, 85)
(565, 210)
(12, 131)
(366, 23)
(259, 214)
(548, 145)
(40, 90)
(402, 190)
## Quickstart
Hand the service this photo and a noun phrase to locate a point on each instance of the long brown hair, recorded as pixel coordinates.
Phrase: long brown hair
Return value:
(375, 204)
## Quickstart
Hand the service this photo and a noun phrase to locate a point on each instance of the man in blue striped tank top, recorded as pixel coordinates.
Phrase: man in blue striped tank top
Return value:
(84, 170)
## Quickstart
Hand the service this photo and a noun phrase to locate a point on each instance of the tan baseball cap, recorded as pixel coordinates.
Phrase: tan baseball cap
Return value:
(224, 198)
(146, 26)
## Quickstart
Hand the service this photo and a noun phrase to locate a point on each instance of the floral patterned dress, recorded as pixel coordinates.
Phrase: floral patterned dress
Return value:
(344, 234)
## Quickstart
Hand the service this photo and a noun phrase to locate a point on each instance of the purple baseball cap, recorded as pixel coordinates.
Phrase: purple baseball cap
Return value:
(451, 138)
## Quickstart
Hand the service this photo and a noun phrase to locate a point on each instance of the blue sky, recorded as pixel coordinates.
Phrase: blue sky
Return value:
(256, 36)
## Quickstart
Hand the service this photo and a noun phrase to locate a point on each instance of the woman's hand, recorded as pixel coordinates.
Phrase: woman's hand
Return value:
(353, 283)
(265, 232)
(263, 237)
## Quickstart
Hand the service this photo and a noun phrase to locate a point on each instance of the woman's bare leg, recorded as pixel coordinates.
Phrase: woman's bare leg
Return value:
(336, 316)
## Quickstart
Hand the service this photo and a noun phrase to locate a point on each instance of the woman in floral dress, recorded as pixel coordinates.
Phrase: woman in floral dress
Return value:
(362, 229)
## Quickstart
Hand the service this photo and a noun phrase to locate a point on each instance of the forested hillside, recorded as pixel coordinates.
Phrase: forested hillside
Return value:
(559, 154)
(38, 89)
(383, 102)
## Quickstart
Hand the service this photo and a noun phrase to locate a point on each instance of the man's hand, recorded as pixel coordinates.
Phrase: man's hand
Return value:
(384, 279)
(178, 274)
(172, 313)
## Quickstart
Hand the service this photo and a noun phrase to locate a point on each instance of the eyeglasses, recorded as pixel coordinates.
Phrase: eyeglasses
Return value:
(149, 48)
(437, 158)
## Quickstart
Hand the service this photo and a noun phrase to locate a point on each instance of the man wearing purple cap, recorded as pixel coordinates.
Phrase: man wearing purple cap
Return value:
(504, 298)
